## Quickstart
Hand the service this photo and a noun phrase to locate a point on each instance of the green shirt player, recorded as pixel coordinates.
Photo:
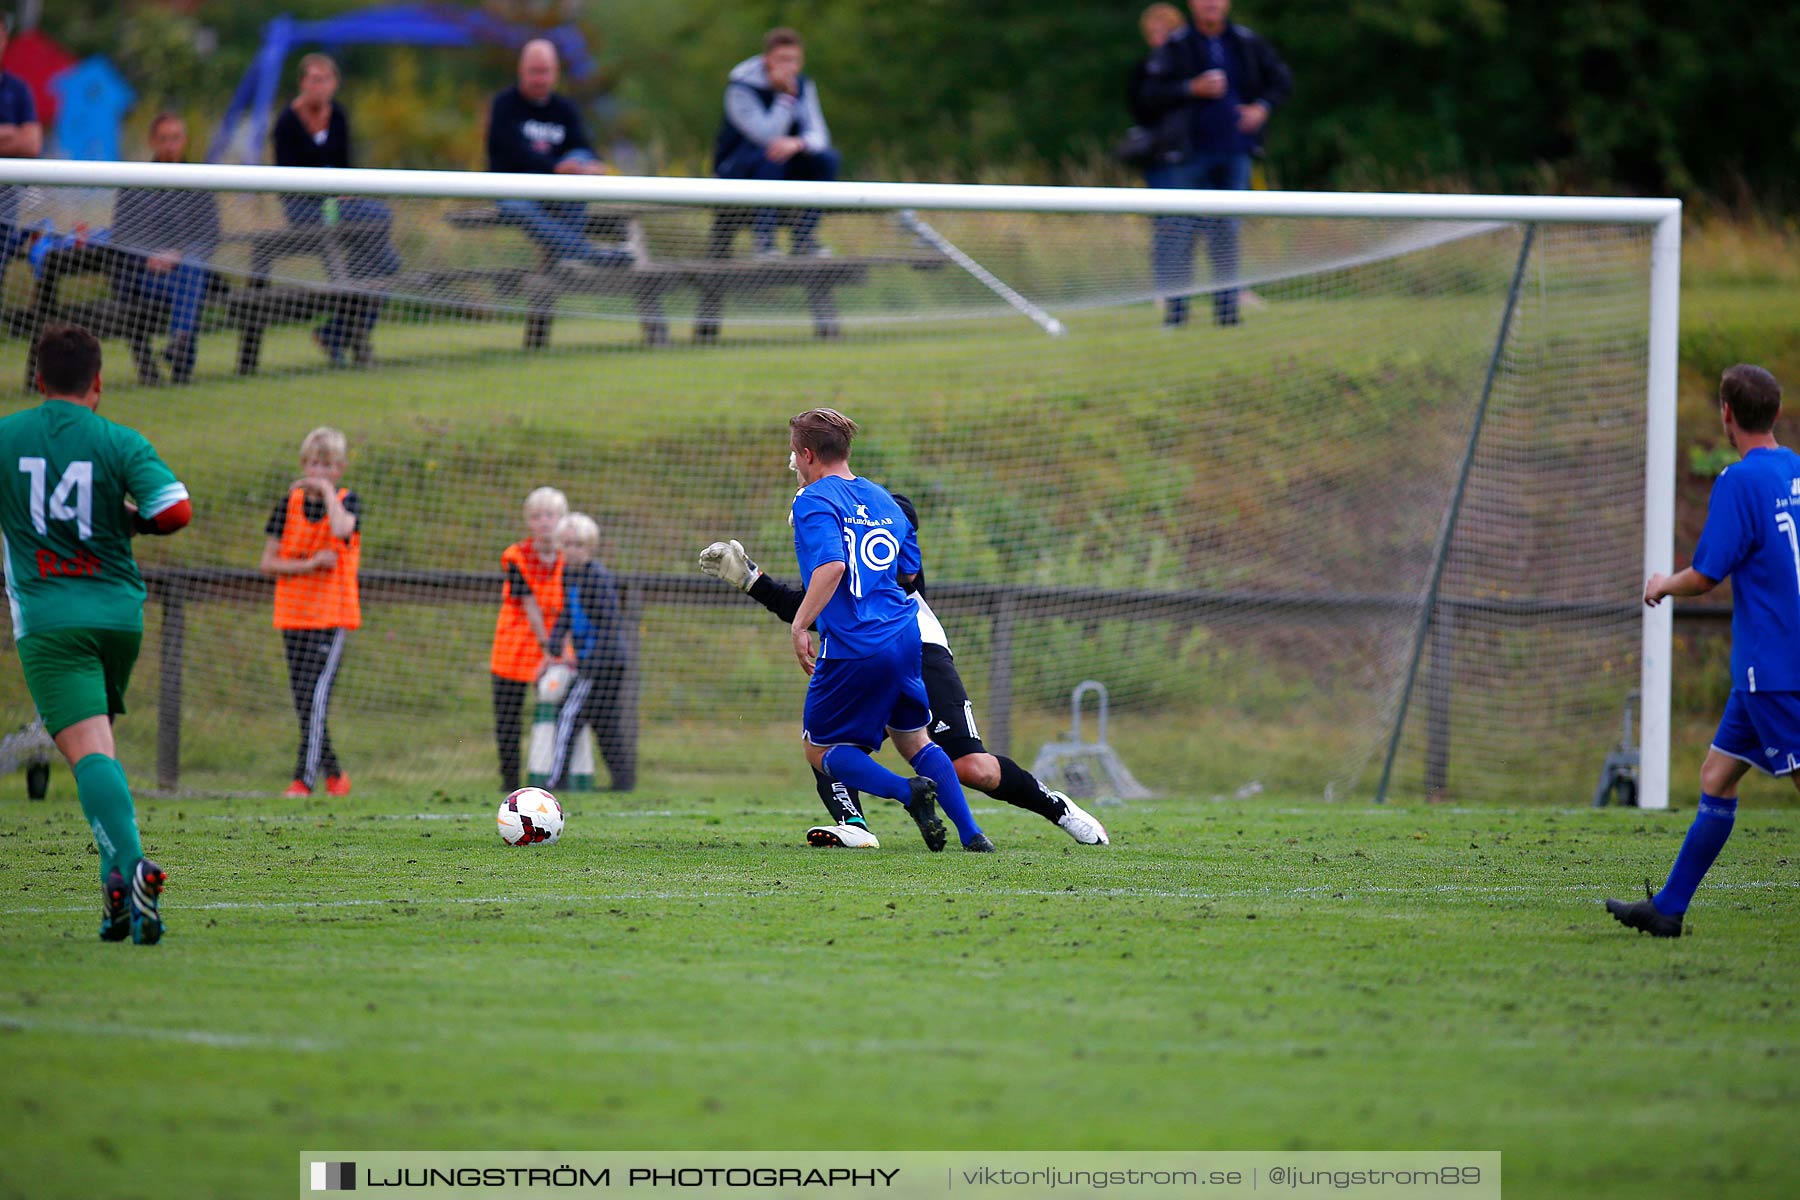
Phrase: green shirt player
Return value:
(74, 488)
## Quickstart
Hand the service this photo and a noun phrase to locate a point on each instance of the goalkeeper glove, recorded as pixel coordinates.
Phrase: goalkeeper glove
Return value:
(727, 561)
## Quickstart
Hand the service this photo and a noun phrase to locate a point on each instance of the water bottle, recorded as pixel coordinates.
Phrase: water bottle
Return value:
(331, 210)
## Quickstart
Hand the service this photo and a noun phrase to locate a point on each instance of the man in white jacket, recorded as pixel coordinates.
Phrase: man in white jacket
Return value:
(775, 129)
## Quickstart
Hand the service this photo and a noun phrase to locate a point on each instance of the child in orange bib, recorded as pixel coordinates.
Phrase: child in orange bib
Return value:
(531, 598)
(313, 550)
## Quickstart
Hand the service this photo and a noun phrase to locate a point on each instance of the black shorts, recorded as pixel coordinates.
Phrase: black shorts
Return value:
(952, 716)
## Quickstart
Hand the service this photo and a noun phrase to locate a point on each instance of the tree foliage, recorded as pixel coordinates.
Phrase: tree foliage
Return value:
(1645, 96)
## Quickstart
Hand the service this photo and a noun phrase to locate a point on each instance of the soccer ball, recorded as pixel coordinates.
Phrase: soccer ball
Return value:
(530, 817)
(553, 684)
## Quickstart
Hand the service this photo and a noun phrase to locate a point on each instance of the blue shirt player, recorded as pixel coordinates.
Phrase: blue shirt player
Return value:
(855, 547)
(1751, 535)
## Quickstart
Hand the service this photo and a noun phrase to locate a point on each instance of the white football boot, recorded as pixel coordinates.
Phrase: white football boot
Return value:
(1080, 824)
(849, 837)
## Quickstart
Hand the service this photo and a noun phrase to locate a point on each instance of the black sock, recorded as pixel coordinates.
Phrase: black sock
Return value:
(840, 801)
(1021, 789)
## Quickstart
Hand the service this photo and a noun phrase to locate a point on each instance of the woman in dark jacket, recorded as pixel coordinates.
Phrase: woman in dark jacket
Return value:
(1157, 23)
(314, 131)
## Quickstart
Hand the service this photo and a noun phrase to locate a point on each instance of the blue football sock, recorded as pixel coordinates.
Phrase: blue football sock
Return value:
(936, 766)
(854, 767)
(1705, 838)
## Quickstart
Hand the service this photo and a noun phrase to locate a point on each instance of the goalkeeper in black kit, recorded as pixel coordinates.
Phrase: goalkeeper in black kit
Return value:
(952, 716)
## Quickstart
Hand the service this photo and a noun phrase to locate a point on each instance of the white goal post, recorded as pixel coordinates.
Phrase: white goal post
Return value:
(1661, 216)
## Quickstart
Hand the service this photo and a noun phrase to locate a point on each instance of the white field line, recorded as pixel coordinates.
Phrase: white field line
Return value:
(197, 1037)
(404, 902)
(1574, 893)
(303, 818)
(635, 1042)
(1118, 811)
(258, 818)
(609, 814)
(630, 1043)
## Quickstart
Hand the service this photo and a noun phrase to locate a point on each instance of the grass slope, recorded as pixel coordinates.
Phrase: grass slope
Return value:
(1116, 457)
(680, 972)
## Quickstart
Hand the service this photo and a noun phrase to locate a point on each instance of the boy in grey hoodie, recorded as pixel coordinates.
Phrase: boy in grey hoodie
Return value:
(775, 129)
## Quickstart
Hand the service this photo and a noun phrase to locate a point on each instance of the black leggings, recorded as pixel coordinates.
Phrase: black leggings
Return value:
(313, 656)
(509, 703)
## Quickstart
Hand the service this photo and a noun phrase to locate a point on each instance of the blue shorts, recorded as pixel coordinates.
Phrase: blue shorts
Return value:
(855, 701)
(1762, 729)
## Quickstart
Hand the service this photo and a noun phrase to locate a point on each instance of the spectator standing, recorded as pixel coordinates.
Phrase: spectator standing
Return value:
(172, 234)
(1209, 88)
(1157, 23)
(1138, 147)
(774, 128)
(532, 130)
(314, 131)
(21, 136)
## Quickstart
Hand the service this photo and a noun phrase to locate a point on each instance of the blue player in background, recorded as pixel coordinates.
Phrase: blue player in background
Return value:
(1751, 536)
(855, 547)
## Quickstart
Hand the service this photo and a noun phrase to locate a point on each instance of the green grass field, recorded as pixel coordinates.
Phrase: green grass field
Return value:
(681, 972)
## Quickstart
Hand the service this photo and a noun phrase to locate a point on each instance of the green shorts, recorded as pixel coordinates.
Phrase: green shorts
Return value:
(75, 674)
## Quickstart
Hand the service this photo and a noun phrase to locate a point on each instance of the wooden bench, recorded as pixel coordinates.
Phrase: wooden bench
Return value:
(261, 302)
(251, 308)
(541, 287)
(137, 321)
(714, 277)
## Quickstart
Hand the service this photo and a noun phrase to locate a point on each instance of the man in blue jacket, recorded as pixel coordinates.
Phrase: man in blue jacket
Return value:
(1212, 86)
(775, 129)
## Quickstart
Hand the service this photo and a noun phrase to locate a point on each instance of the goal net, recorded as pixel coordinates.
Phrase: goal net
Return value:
(1376, 510)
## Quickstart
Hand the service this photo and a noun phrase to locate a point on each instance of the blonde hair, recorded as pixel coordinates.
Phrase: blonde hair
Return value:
(547, 499)
(1165, 15)
(325, 444)
(578, 529)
